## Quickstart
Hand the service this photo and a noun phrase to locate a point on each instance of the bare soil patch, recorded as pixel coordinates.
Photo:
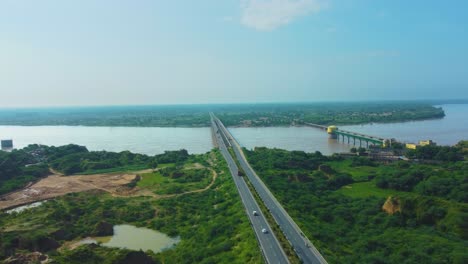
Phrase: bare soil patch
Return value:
(57, 185)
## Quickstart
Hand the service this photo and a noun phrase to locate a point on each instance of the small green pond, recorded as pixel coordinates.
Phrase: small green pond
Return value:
(135, 238)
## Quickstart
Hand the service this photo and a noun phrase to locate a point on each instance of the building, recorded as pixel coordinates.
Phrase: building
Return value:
(421, 143)
(426, 143)
(411, 146)
(7, 144)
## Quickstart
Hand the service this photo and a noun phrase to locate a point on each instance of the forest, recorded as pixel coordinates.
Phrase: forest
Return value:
(267, 114)
(405, 212)
(211, 224)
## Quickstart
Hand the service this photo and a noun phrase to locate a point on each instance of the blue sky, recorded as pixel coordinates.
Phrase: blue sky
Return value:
(112, 52)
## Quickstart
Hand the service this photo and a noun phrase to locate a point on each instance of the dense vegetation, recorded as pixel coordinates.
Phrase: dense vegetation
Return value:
(329, 113)
(339, 205)
(19, 167)
(448, 179)
(211, 224)
(232, 115)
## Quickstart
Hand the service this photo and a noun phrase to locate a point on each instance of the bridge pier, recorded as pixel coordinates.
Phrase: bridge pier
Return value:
(336, 133)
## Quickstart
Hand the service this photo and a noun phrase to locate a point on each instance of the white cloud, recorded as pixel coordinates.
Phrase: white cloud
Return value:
(267, 15)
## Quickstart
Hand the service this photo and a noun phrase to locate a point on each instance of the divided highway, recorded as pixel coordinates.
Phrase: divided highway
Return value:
(271, 249)
(301, 244)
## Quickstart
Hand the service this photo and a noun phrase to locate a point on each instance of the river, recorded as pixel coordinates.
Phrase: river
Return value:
(446, 131)
(145, 140)
(155, 140)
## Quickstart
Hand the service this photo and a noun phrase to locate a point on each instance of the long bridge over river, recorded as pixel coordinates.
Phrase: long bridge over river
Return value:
(352, 137)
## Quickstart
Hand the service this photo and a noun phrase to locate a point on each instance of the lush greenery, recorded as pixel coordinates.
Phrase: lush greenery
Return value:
(176, 179)
(327, 113)
(19, 167)
(212, 224)
(233, 114)
(71, 159)
(339, 205)
(439, 153)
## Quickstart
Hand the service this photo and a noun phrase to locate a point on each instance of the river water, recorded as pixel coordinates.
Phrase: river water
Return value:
(155, 140)
(446, 131)
(145, 140)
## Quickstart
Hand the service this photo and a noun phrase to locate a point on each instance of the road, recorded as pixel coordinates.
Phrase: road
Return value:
(271, 248)
(301, 244)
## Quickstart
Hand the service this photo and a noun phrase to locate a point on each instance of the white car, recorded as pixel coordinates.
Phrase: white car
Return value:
(254, 213)
(264, 231)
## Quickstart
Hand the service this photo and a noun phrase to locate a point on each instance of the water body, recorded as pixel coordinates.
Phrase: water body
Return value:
(290, 138)
(134, 238)
(446, 131)
(155, 140)
(145, 140)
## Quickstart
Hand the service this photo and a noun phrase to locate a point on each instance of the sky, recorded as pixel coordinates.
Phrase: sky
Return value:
(127, 52)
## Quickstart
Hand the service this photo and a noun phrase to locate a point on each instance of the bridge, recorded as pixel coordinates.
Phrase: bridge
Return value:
(336, 133)
(352, 137)
(270, 247)
(303, 247)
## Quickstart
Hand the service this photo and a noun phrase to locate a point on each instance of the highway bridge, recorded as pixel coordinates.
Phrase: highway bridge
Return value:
(269, 245)
(305, 250)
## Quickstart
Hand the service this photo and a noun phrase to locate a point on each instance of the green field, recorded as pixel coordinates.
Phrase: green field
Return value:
(359, 173)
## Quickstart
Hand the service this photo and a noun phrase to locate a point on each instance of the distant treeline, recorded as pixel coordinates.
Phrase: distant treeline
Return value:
(232, 114)
(19, 167)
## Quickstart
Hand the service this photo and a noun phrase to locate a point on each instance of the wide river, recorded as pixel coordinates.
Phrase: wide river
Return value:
(155, 140)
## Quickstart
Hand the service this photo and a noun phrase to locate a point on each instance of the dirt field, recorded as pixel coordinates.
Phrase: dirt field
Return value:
(57, 185)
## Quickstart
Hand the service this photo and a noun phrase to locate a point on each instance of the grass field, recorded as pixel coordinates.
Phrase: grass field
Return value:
(152, 180)
(160, 184)
(358, 173)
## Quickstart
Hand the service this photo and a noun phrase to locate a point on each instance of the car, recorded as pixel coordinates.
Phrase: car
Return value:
(264, 231)
(254, 213)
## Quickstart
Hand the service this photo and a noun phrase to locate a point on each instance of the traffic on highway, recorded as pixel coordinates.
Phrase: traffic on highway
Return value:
(301, 244)
(269, 245)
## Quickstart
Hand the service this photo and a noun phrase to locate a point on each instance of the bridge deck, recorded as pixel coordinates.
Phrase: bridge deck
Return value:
(360, 136)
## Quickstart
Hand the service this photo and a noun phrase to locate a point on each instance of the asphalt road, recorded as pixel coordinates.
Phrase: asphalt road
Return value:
(271, 249)
(301, 244)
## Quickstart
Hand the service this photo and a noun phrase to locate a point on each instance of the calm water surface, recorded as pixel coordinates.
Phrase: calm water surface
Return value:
(291, 138)
(446, 131)
(134, 238)
(145, 140)
(155, 140)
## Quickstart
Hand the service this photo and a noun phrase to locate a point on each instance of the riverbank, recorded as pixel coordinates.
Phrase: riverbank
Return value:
(245, 115)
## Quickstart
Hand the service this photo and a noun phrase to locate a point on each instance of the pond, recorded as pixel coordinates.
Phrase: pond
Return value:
(135, 238)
